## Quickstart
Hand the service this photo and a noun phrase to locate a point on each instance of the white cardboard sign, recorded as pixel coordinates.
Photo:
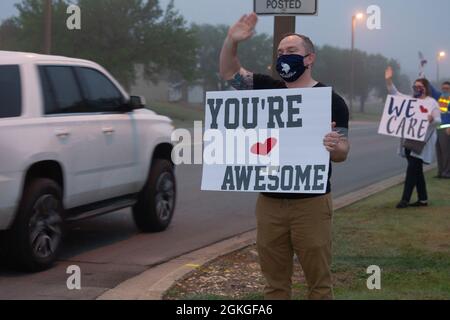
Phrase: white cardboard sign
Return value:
(404, 117)
(267, 140)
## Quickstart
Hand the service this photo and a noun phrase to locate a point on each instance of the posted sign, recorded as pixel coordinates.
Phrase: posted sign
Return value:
(405, 117)
(286, 7)
(267, 141)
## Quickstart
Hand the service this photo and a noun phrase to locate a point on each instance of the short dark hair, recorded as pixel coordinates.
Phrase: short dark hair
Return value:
(307, 43)
(446, 83)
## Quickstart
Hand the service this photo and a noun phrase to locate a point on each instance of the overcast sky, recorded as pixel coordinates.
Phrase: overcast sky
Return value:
(408, 26)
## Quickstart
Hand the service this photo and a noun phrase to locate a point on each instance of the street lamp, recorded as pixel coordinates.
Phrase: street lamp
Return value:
(355, 18)
(441, 56)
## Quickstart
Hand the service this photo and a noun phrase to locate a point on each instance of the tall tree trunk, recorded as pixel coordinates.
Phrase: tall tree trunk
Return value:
(185, 92)
(47, 45)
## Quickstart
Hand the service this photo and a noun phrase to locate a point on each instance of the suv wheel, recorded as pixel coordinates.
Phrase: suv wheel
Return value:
(36, 236)
(156, 203)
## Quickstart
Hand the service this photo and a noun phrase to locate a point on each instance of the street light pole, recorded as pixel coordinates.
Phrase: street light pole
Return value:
(352, 68)
(358, 16)
(441, 56)
(437, 71)
(47, 27)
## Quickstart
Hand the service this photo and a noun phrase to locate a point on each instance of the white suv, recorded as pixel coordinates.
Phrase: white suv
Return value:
(74, 145)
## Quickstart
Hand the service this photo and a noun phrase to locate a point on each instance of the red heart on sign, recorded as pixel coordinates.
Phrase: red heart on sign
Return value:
(423, 109)
(264, 148)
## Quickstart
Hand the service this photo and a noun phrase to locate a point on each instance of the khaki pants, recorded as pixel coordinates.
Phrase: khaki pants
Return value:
(303, 227)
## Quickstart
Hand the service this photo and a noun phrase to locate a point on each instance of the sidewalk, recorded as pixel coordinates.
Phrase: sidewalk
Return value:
(153, 283)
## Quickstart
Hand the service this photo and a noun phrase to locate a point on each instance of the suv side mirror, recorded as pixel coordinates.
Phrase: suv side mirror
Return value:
(137, 102)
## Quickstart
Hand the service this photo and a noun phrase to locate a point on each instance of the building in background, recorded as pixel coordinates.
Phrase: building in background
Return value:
(166, 90)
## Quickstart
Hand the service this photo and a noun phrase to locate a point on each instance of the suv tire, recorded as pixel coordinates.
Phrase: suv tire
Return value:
(35, 239)
(156, 203)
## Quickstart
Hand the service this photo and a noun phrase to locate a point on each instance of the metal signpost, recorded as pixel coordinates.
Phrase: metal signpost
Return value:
(285, 7)
(284, 12)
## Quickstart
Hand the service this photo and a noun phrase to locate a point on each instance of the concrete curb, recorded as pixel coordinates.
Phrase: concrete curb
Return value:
(153, 283)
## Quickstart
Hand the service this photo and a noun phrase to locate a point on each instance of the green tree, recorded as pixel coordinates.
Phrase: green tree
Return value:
(9, 30)
(118, 34)
(255, 54)
(332, 67)
(334, 64)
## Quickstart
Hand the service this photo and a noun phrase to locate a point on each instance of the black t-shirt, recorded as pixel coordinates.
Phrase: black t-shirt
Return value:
(339, 114)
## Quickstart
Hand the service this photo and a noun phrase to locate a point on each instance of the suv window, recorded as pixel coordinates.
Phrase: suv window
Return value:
(101, 94)
(10, 91)
(61, 90)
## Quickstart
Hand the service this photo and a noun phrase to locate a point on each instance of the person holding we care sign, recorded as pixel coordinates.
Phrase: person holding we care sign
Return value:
(417, 153)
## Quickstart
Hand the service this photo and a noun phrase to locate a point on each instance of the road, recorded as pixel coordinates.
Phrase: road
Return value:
(110, 250)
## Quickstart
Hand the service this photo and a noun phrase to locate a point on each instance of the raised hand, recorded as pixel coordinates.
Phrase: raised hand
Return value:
(389, 73)
(244, 28)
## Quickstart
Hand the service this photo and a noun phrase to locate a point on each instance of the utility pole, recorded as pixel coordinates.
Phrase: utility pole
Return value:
(47, 48)
(352, 68)
(440, 56)
(282, 25)
(358, 16)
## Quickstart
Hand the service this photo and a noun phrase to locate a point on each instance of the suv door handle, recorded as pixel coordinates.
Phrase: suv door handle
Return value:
(108, 130)
(62, 133)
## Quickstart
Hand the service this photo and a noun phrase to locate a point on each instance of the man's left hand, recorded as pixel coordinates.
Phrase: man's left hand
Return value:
(331, 141)
(337, 144)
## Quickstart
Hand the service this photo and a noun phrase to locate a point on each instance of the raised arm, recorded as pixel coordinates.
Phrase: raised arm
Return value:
(230, 66)
(436, 94)
(388, 75)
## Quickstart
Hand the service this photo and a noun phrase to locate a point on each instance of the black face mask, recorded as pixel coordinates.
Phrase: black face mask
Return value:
(418, 92)
(291, 67)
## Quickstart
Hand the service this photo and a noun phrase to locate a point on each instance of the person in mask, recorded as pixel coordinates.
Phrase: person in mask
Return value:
(443, 140)
(291, 223)
(414, 174)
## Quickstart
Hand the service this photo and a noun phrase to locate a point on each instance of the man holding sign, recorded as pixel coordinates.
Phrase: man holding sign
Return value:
(292, 222)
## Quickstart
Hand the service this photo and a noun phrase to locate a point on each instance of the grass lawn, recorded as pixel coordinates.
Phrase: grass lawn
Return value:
(411, 246)
(373, 112)
(371, 117)
(183, 116)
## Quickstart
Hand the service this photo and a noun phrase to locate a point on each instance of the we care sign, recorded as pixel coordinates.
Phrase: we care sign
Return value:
(405, 117)
(267, 141)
